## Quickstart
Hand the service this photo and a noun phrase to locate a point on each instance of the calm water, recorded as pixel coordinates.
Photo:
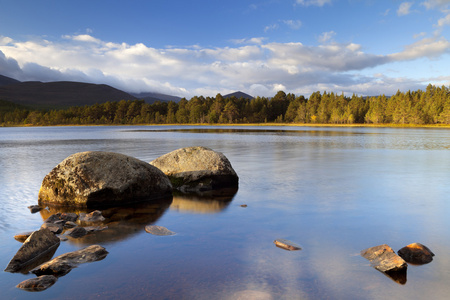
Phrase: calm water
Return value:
(334, 191)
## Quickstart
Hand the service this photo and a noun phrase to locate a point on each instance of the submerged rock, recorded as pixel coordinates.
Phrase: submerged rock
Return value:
(158, 230)
(90, 179)
(384, 259)
(21, 237)
(197, 169)
(63, 264)
(38, 245)
(37, 284)
(416, 253)
(34, 208)
(95, 216)
(287, 245)
(53, 227)
(76, 232)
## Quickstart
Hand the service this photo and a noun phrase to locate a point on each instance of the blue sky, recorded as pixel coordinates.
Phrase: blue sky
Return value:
(197, 47)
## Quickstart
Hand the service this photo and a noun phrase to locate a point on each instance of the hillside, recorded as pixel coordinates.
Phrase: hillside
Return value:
(60, 94)
(153, 97)
(7, 81)
(238, 95)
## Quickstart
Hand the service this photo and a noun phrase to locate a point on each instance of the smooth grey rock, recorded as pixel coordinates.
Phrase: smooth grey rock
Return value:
(416, 253)
(39, 244)
(158, 230)
(53, 218)
(63, 264)
(76, 232)
(197, 169)
(95, 178)
(384, 259)
(37, 284)
(287, 245)
(68, 217)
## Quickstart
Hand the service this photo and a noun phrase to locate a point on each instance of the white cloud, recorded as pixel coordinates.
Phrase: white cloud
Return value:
(404, 9)
(271, 27)
(430, 4)
(444, 21)
(293, 24)
(428, 47)
(313, 2)
(252, 66)
(326, 36)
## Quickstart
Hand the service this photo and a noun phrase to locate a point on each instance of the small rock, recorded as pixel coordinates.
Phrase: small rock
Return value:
(37, 284)
(158, 230)
(384, 259)
(70, 224)
(55, 228)
(63, 264)
(21, 237)
(416, 253)
(34, 208)
(243, 205)
(37, 245)
(76, 232)
(95, 216)
(95, 228)
(62, 238)
(69, 217)
(287, 245)
(53, 218)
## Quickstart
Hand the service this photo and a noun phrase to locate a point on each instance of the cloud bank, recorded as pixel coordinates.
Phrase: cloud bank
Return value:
(253, 65)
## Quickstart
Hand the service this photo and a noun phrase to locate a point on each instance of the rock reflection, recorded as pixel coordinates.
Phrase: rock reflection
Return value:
(209, 202)
(122, 222)
(397, 276)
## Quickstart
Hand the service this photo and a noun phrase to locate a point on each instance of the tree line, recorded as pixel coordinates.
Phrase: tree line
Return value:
(431, 106)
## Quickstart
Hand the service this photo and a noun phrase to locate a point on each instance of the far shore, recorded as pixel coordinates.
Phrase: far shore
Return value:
(387, 125)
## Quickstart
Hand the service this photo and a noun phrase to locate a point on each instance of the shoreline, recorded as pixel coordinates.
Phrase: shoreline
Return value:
(387, 125)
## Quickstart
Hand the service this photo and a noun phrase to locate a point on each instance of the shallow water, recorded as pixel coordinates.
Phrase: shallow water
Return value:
(334, 191)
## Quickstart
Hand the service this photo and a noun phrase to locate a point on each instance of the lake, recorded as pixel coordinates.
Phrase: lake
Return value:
(333, 191)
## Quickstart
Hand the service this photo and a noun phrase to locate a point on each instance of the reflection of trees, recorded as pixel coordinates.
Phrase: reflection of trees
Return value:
(208, 202)
(122, 222)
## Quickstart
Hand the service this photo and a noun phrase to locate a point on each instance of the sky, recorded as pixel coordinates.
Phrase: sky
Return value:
(204, 47)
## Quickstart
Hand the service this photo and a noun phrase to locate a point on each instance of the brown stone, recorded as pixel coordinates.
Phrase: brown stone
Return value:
(53, 227)
(37, 284)
(287, 245)
(63, 264)
(76, 232)
(416, 253)
(39, 244)
(384, 259)
(21, 237)
(95, 216)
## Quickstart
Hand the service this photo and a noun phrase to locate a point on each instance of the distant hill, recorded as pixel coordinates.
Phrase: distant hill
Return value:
(60, 94)
(238, 95)
(7, 81)
(150, 97)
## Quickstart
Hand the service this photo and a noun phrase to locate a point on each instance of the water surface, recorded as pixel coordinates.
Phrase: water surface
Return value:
(334, 191)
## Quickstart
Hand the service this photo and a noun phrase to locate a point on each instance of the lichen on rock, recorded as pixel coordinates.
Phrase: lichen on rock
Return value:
(96, 178)
(195, 169)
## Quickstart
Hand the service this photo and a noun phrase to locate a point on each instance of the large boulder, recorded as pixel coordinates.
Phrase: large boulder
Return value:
(94, 178)
(195, 169)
